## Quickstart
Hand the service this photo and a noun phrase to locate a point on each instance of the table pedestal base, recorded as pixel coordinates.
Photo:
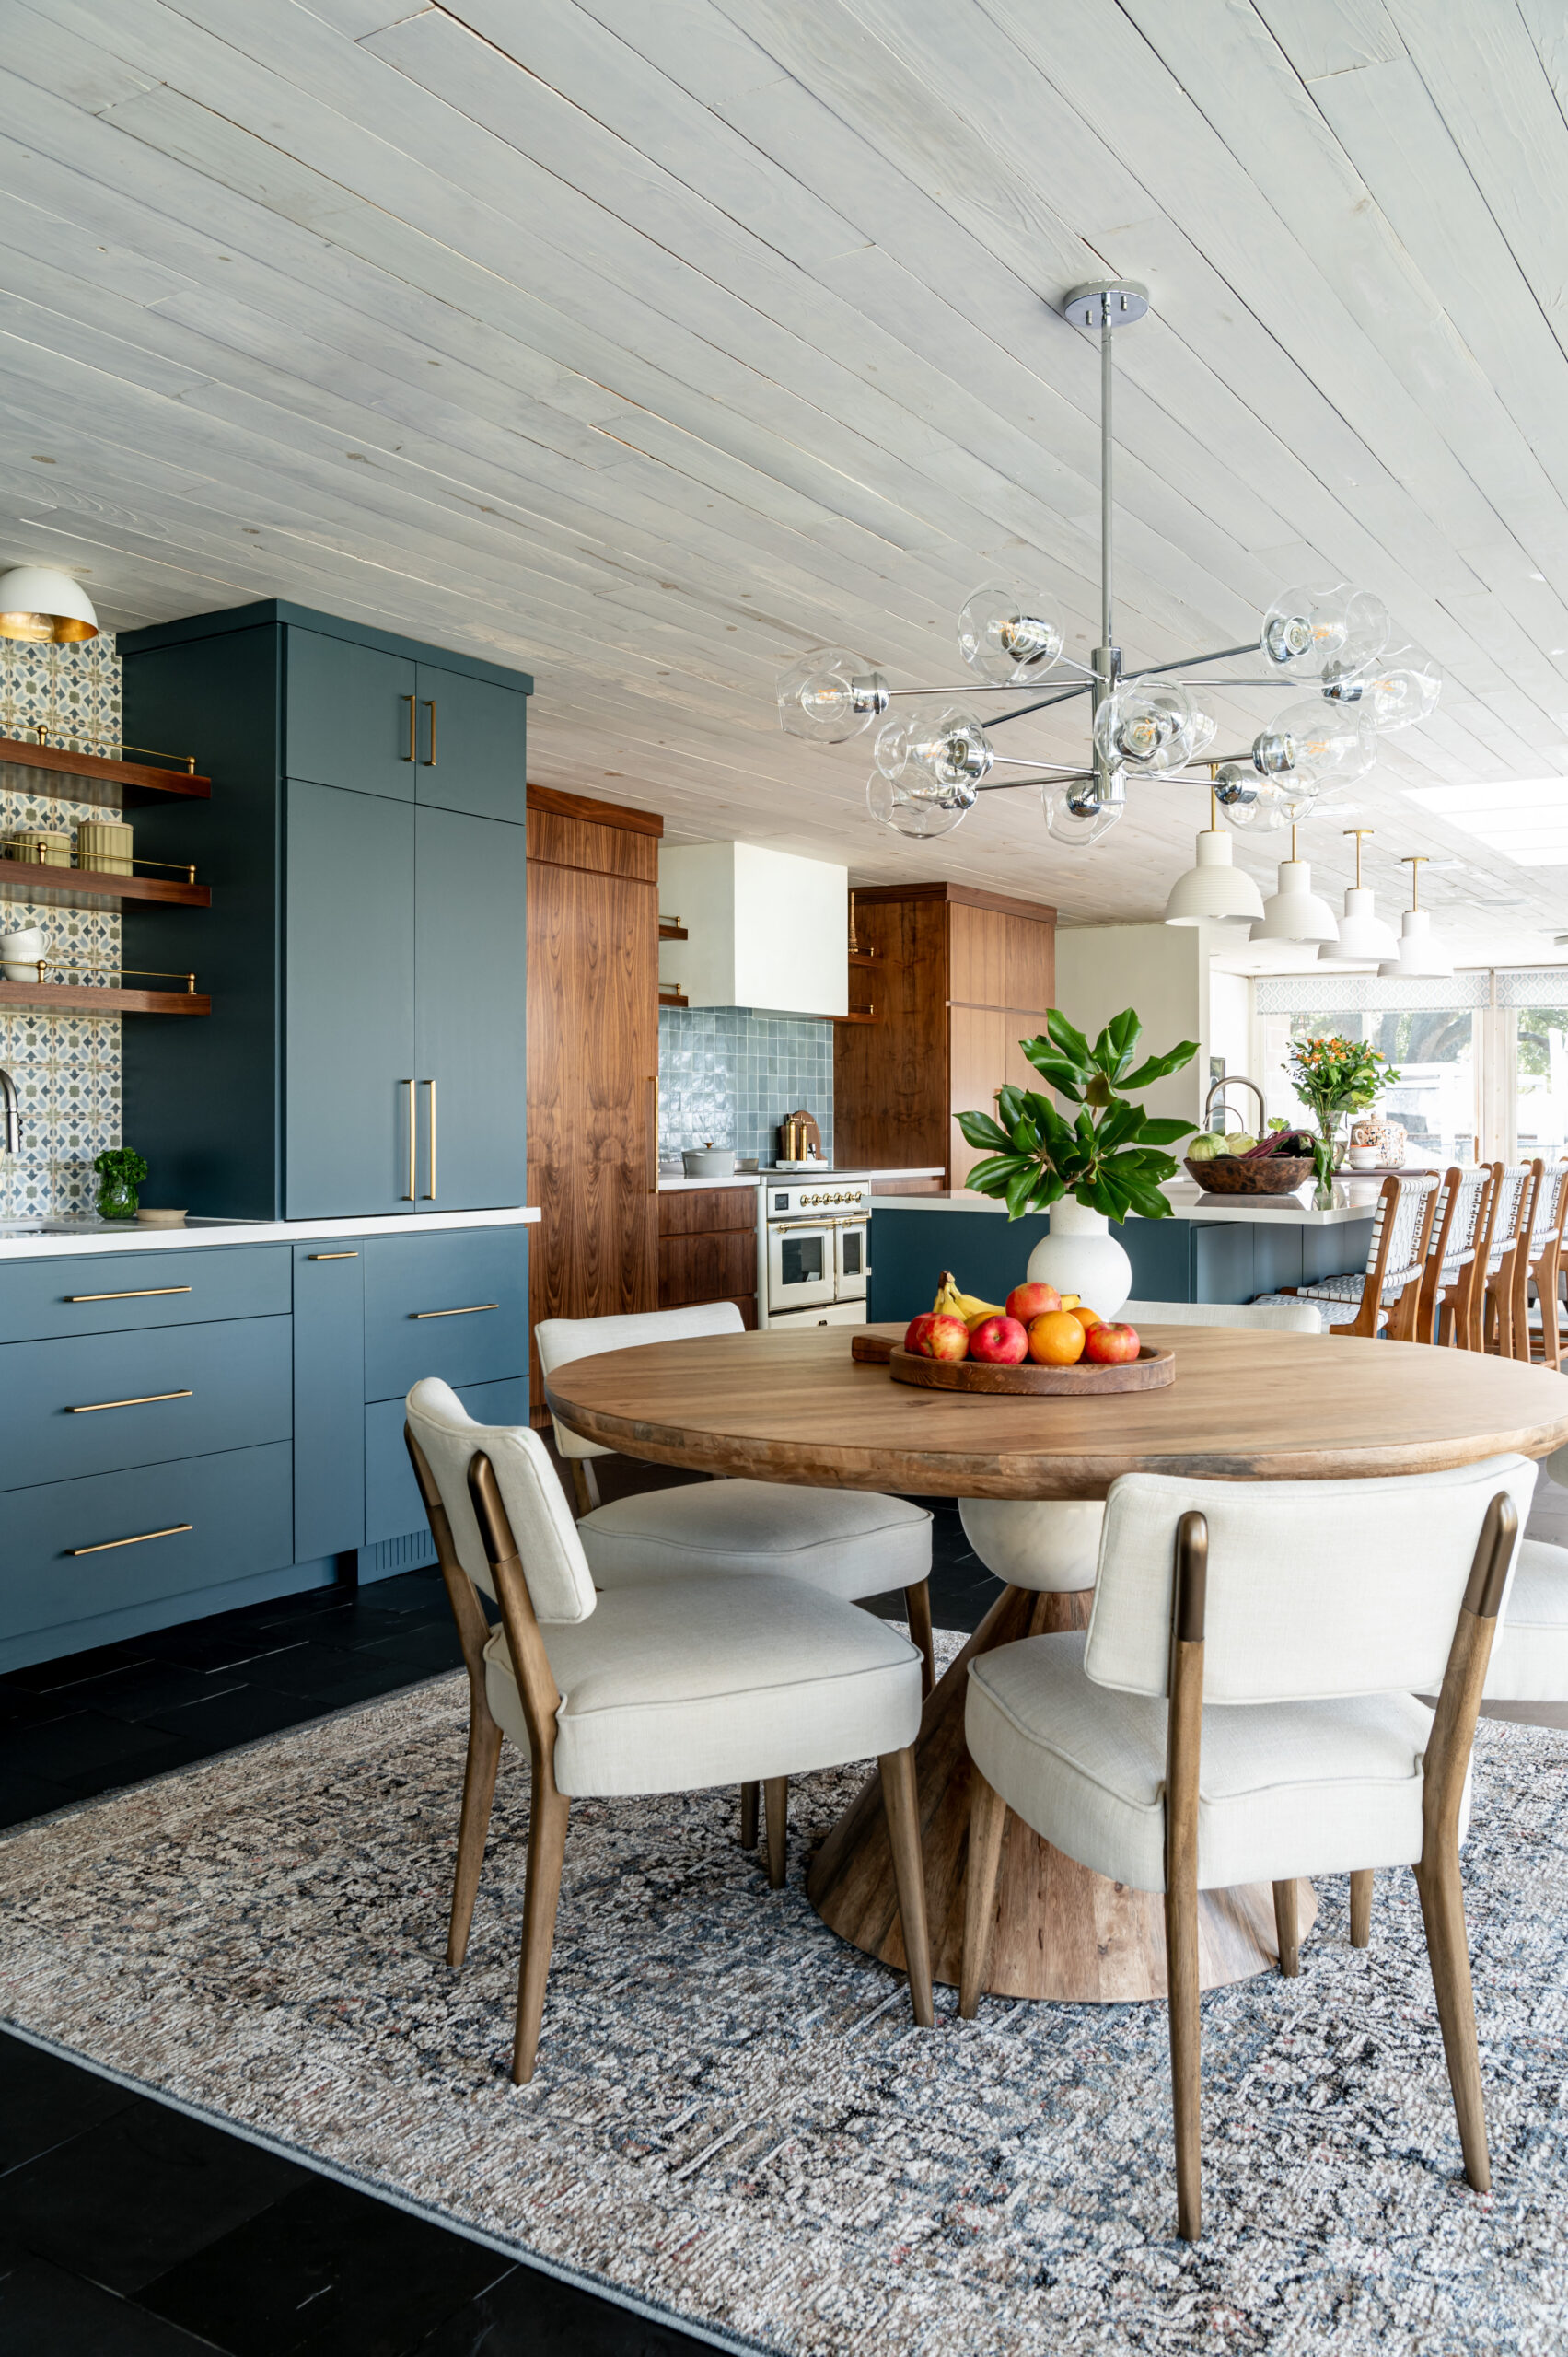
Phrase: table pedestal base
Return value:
(1061, 1931)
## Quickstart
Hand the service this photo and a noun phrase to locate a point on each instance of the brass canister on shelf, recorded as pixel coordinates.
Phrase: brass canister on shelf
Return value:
(42, 846)
(105, 846)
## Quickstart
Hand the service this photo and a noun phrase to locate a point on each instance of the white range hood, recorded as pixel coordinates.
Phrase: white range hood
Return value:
(767, 929)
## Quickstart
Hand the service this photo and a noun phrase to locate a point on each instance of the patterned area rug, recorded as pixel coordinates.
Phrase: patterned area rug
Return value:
(734, 2123)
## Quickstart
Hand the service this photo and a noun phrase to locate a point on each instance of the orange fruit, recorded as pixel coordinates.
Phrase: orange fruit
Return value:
(1085, 1318)
(1056, 1339)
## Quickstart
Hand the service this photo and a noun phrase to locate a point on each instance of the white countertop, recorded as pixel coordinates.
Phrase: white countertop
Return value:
(1354, 1199)
(18, 1242)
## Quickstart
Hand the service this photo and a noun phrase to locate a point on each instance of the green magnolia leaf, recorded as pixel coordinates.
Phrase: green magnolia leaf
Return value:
(1012, 1105)
(1058, 1070)
(1149, 1203)
(1122, 1124)
(1124, 1031)
(1067, 1042)
(1163, 1130)
(990, 1177)
(1020, 1188)
(978, 1128)
(1099, 1198)
(1156, 1067)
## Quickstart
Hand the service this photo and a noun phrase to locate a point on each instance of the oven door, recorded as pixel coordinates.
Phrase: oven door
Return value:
(800, 1265)
(852, 1259)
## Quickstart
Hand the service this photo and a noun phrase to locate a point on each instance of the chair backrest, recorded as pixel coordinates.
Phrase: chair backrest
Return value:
(1551, 1201)
(561, 1339)
(1470, 1210)
(1512, 1204)
(1281, 1317)
(1397, 1249)
(559, 1584)
(1314, 1588)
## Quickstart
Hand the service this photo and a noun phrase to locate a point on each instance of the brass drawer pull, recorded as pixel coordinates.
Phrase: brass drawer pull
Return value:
(138, 1293)
(472, 1310)
(331, 1256)
(138, 1538)
(143, 1399)
(430, 708)
(410, 754)
(430, 1190)
(409, 1190)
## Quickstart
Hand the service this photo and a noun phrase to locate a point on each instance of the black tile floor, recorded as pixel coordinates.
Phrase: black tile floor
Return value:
(128, 2230)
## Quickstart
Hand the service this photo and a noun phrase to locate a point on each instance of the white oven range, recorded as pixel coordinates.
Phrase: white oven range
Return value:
(813, 1248)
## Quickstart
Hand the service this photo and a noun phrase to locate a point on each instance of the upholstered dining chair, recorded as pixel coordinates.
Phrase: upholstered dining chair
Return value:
(1224, 1720)
(1507, 1261)
(1383, 1297)
(1542, 1324)
(670, 1686)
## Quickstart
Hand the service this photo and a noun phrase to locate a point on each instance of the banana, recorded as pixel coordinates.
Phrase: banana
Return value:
(951, 1302)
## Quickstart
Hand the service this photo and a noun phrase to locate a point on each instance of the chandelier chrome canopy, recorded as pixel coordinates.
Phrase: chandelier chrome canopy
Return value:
(1329, 644)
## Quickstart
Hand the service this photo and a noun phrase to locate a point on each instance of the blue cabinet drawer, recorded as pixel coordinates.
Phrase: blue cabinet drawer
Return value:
(109, 1401)
(157, 1530)
(392, 1503)
(454, 1304)
(91, 1293)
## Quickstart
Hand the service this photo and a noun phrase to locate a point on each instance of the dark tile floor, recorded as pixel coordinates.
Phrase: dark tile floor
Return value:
(128, 2230)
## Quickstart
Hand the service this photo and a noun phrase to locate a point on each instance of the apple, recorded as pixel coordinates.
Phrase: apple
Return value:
(917, 1332)
(1032, 1301)
(937, 1334)
(1111, 1346)
(1000, 1341)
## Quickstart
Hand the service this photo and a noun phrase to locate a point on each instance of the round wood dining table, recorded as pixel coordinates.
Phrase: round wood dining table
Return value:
(796, 1407)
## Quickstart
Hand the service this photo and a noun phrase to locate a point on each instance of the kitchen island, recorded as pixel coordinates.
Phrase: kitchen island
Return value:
(1209, 1250)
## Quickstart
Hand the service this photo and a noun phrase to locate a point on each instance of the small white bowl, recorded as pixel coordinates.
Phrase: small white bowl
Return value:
(20, 954)
(1363, 1158)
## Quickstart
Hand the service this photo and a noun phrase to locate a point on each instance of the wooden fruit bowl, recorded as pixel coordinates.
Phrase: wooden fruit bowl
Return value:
(1272, 1174)
(1150, 1371)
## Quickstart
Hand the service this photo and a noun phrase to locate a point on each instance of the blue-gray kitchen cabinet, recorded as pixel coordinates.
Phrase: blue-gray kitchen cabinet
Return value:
(349, 714)
(471, 1004)
(328, 1392)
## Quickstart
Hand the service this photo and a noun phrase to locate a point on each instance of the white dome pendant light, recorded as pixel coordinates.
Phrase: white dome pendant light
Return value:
(1420, 956)
(1214, 891)
(42, 607)
(1363, 933)
(1296, 912)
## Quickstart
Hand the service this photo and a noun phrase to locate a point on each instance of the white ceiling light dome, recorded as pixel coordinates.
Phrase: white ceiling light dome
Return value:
(1296, 912)
(1363, 933)
(43, 607)
(1214, 891)
(1420, 956)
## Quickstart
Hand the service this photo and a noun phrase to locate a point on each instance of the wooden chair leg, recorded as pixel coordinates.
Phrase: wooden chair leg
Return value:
(1447, 1949)
(547, 1849)
(1181, 1973)
(988, 1821)
(775, 1801)
(749, 1796)
(479, 1791)
(1361, 1907)
(1286, 1928)
(901, 1799)
(917, 1604)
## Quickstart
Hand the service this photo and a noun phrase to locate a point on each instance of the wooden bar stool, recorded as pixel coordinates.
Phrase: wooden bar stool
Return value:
(1462, 1278)
(1510, 1233)
(1543, 1325)
(1385, 1296)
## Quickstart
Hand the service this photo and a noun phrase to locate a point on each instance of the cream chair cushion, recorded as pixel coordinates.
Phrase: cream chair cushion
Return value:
(1284, 1788)
(547, 1542)
(846, 1542)
(1530, 1654)
(692, 1682)
(558, 1341)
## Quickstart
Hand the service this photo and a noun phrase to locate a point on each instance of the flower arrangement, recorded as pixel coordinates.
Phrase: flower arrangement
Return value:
(1336, 1076)
(1111, 1156)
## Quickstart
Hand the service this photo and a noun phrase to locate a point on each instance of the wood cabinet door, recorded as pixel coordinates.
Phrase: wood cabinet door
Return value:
(348, 988)
(470, 1007)
(593, 1091)
(471, 740)
(978, 1062)
(349, 715)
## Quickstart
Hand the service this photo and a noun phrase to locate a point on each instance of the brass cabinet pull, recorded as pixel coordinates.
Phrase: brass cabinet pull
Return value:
(430, 708)
(138, 1293)
(143, 1400)
(430, 1190)
(137, 1539)
(472, 1310)
(412, 749)
(408, 1191)
(331, 1256)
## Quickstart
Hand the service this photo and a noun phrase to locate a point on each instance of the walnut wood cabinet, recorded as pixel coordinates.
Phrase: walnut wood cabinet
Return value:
(956, 977)
(592, 1058)
(707, 1248)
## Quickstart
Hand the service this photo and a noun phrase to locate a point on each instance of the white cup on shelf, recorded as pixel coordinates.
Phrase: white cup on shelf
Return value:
(21, 953)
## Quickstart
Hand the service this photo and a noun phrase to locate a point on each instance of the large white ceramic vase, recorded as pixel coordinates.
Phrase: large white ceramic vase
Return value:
(1081, 1256)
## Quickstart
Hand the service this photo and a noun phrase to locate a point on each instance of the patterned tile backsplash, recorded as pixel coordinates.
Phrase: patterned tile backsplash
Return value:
(731, 1074)
(67, 1067)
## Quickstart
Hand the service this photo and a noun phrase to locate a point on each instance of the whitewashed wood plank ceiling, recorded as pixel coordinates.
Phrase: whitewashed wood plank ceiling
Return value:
(647, 343)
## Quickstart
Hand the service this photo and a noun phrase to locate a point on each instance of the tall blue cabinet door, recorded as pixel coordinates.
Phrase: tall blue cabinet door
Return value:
(472, 745)
(349, 715)
(329, 1395)
(471, 985)
(348, 1049)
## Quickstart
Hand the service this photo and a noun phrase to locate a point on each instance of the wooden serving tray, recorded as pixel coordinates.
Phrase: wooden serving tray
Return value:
(873, 1345)
(1150, 1371)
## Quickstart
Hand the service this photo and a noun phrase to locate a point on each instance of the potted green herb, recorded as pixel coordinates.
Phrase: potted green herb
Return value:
(1107, 1161)
(1335, 1076)
(120, 1171)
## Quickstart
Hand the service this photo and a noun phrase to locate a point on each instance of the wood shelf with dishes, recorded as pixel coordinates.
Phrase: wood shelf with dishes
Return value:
(864, 959)
(51, 877)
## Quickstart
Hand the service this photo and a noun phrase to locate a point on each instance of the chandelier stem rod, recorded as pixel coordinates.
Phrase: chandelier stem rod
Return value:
(1106, 364)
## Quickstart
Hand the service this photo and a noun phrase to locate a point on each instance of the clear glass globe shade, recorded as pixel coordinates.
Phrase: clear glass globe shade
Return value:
(830, 695)
(1005, 635)
(1152, 726)
(1324, 739)
(1274, 803)
(919, 811)
(950, 749)
(1401, 690)
(1074, 817)
(1308, 630)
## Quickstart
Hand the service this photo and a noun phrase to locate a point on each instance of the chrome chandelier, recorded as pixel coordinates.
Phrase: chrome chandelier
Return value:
(1333, 644)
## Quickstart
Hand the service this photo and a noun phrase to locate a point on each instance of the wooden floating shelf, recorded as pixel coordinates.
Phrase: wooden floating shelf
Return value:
(858, 1015)
(48, 770)
(60, 888)
(673, 932)
(88, 998)
(865, 958)
(673, 998)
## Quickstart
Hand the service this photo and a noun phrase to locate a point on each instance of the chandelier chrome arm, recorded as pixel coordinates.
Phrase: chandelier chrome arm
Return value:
(1065, 696)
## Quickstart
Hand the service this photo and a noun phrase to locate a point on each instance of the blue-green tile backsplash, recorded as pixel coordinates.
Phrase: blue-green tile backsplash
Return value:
(731, 1074)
